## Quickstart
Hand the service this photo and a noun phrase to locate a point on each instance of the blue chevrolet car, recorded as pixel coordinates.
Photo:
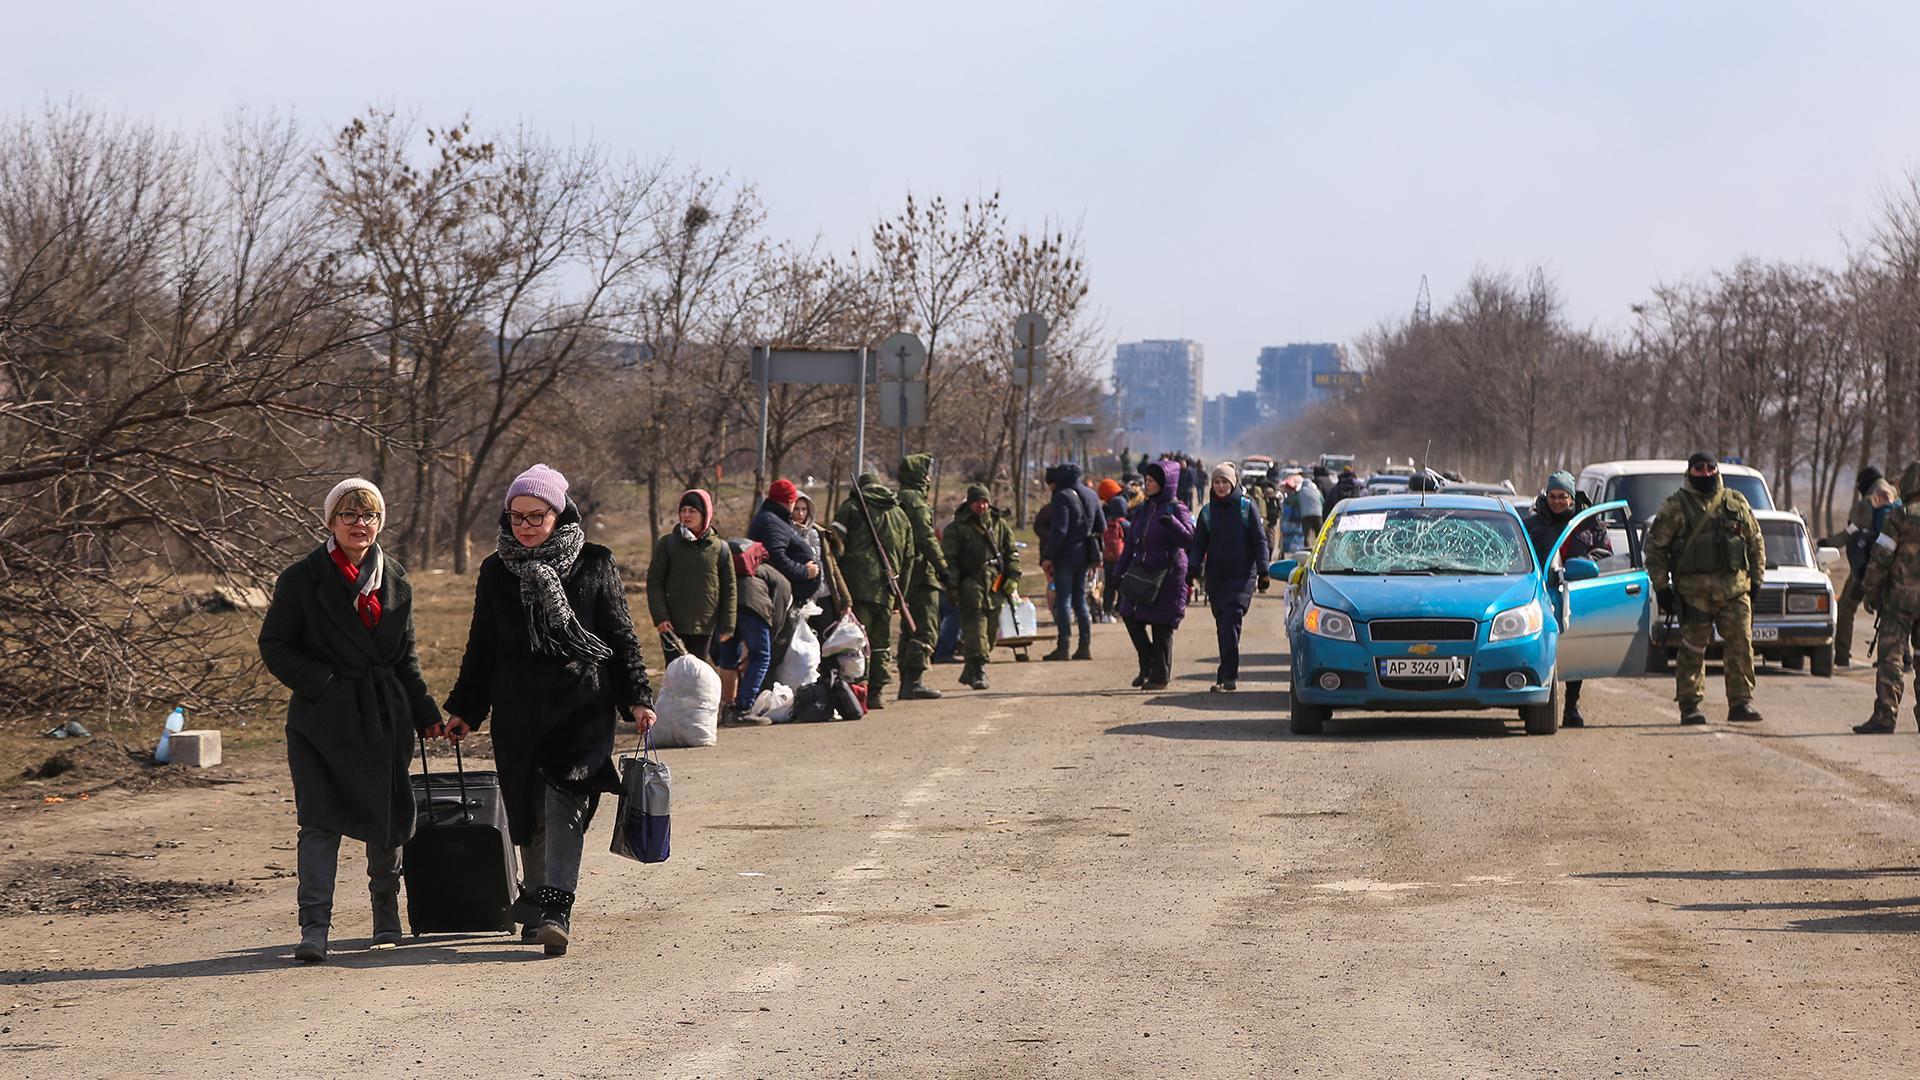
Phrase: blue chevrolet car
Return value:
(1435, 602)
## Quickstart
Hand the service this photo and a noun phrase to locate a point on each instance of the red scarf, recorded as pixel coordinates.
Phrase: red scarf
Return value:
(368, 603)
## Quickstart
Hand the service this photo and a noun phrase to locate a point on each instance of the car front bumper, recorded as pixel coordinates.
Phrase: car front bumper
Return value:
(1356, 664)
(1787, 635)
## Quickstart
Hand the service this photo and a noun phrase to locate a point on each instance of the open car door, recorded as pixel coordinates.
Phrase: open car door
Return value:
(1605, 607)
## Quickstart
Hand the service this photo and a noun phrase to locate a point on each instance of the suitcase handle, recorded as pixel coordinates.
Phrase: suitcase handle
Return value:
(459, 765)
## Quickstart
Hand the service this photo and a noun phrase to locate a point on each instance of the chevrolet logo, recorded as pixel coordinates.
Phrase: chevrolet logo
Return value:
(1423, 649)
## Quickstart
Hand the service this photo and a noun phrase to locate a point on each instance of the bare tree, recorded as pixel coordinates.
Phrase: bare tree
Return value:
(176, 348)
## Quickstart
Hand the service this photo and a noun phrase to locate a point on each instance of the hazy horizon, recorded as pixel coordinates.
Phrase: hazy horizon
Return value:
(1246, 174)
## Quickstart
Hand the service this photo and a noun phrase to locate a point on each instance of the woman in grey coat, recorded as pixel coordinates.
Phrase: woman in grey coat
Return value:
(339, 634)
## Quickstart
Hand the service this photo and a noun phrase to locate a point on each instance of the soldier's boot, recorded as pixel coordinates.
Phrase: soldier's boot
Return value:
(974, 675)
(1690, 713)
(876, 697)
(1876, 725)
(913, 689)
(1743, 712)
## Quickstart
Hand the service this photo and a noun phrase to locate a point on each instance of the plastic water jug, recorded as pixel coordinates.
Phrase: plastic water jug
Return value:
(176, 720)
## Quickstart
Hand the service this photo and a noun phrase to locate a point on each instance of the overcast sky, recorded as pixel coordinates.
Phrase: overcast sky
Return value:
(1248, 174)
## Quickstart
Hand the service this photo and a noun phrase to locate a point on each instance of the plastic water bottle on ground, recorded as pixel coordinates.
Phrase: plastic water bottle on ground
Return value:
(176, 720)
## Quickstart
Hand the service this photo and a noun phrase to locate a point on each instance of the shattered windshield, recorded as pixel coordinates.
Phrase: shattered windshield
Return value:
(1425, 540)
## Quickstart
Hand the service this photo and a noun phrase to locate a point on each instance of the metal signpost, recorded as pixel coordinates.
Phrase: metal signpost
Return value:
(903, 394)
(817, 367)
(1029, 367)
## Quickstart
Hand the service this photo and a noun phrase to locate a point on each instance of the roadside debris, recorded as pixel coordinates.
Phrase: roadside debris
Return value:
(78, 888)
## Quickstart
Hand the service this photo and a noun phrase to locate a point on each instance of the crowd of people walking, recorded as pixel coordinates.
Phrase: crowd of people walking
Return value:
(552, 657)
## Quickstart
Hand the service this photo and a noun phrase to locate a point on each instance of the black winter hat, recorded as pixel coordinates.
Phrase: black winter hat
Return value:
(1701, 457)
(1867, 477)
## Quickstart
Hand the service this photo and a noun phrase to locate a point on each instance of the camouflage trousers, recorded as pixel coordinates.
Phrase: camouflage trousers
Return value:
(1700, 618)
(977, 611)
(916, 648)
(1843, 621)
(1889, 664)
(878, 620)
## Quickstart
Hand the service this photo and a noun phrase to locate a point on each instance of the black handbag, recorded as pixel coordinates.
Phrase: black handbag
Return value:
(1141, 586)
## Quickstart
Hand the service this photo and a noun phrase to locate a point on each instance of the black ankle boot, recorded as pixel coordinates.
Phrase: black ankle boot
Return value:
(313, 933)
(526, 912)
(1060, 651)
(556, 920)
(386, 919)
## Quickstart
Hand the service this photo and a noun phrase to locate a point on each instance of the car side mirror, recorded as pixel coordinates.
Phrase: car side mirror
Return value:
(1282, 569)
(1582, 570)
(1831, 558)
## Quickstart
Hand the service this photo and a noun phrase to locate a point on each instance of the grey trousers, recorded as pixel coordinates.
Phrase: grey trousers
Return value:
(552, 857)
(317, 862)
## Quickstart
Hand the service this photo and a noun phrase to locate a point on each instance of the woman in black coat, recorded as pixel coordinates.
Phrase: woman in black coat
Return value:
(552, 655)
(339, 634)
(1230, 553)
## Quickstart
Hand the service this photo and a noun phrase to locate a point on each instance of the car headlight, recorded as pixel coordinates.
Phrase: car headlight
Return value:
(1806, 603)
(1328, 623)
(1525, 620)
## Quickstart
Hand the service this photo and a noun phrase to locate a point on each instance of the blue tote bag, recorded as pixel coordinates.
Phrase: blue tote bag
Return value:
(641, 824)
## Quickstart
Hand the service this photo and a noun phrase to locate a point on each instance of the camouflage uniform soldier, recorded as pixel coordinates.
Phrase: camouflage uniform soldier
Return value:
(1893, 593)
(866, 573)
(983, 565)
(923, 581)
(1705, 557)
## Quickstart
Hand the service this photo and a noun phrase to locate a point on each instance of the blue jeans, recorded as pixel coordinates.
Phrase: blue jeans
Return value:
(949, 641)
(752, 633)
(1070, 599)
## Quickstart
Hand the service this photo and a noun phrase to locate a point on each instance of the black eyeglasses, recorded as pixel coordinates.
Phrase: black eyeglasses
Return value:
(533, 520)
(348, 517)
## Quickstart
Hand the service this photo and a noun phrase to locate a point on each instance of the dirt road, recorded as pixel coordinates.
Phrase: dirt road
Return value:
(1057, 877)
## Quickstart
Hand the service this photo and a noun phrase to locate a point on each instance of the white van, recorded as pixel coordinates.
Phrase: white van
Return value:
(1793, 615)
(1645, 484)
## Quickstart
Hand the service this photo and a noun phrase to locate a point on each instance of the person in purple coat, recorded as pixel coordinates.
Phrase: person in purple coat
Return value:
(1153, 574)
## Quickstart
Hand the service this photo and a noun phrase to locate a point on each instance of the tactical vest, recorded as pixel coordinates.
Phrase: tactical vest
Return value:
(1715, 543)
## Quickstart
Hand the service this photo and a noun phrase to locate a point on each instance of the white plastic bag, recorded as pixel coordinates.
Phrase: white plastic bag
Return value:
(847, 635)
(1019, 620)
(801, 665)
(688, 706)
(775, 703)
(853, 665)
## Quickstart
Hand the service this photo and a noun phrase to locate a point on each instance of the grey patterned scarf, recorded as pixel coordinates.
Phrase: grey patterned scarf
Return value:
(551, 623)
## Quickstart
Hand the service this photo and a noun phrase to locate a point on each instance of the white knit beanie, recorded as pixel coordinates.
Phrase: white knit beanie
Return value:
(351, 483)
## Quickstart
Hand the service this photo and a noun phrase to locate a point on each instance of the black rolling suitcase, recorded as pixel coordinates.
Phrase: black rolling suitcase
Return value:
(459, 865)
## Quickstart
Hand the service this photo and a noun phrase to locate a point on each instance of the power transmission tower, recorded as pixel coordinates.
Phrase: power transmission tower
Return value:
(1537, 297)
(1423, 303)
